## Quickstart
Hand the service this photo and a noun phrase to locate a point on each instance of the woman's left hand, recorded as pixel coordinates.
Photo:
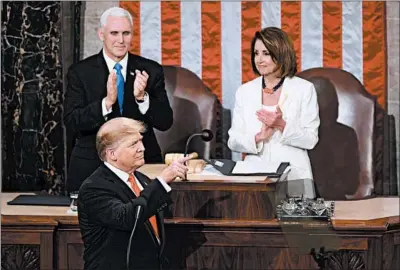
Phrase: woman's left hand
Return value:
(268, 118)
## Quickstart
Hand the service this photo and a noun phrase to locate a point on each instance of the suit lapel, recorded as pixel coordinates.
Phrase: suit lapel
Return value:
(111, 176)
(160, 222)
(131, 195)
(103, 69)
(103, 73)
(257, 88)
(285, 98)
(144, 182)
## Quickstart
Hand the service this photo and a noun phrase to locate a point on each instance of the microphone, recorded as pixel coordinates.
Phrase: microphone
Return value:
(206, 135)
(141, 204)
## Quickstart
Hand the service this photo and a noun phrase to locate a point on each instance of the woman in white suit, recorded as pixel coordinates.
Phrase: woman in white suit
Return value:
(276, 115)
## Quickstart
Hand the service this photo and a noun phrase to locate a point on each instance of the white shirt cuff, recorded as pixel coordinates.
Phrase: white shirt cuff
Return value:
(144, 106)
(165, 185)
(104, 108)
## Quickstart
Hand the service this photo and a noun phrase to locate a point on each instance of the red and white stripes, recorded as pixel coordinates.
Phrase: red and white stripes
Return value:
(212, 38)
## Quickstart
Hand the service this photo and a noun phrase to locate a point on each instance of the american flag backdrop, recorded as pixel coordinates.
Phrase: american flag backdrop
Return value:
(212, 38)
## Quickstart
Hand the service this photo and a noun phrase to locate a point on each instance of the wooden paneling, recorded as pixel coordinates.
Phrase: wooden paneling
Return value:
(391, 248)
(69, 247)
(46, 250)
(222, 204)
(199, 245)
(27, 243)
(75, 255)
(248, 258)
(25, 257)
(20, 238)
(224, 228)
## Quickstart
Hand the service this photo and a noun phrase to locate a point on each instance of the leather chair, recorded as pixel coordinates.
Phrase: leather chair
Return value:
(345, 162)
(194, 108)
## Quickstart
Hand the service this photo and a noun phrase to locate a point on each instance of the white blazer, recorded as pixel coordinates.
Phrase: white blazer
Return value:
(298, 102)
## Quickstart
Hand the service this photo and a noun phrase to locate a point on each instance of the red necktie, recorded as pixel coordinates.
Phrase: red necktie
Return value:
(136, 189)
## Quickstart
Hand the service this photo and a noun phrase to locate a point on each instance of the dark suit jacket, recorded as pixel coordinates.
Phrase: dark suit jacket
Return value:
(87, 86)
(106, 210)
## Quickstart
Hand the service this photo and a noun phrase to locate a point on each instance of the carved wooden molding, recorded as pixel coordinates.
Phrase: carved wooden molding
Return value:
(344, 259)
(340, 259)
(20, 257)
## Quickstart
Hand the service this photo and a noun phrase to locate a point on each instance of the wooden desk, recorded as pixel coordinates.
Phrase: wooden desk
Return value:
(214, 224)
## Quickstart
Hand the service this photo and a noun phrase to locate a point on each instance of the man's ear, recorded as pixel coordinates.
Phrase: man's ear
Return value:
(100, 33)
(111, 155)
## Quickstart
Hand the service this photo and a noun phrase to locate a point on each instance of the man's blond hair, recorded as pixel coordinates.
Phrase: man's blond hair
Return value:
(114, 131)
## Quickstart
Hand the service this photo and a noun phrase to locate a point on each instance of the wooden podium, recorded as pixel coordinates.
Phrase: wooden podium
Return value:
(220, 223)
(219, 197)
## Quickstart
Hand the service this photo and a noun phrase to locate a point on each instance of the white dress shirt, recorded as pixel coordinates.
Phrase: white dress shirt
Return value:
(143, 106)
(125, 177)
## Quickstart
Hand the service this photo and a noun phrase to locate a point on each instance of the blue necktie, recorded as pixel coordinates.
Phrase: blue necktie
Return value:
(120, 85)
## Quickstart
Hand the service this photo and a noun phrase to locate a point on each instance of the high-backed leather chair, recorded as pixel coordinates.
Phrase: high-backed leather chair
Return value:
(194, 108)
(343, 160)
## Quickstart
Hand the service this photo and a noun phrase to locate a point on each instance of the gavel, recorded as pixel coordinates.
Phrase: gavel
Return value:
(194, 165)
(171, 157)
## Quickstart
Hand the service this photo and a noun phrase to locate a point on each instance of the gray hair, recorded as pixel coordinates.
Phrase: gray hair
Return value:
(116, 12)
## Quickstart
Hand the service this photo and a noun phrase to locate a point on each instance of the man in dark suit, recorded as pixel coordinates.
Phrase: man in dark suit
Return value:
(110, 84)
(108, 199)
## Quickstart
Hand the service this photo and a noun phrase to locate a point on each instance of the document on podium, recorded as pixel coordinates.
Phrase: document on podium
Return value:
(246, 168)
(252, 167)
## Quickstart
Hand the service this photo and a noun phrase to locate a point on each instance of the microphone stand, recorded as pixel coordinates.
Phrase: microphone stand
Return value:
(187, 147)
(205, 134)
(188, 141)
(139, 209)
(128, 251)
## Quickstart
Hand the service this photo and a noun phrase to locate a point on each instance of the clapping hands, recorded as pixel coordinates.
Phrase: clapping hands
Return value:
(140, 83)
(264, 134)
(111, 90)
(270, 119)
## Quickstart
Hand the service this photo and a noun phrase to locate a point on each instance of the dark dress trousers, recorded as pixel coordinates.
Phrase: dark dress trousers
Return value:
(87, 86)
(106, 211)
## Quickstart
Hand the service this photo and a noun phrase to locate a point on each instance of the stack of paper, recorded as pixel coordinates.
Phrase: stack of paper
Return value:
(248, 167)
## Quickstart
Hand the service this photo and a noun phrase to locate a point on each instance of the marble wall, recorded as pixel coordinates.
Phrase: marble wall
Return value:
(31, 97)
(91, 21)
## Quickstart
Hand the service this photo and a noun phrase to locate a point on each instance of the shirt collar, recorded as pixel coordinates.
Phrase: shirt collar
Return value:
(111, 63)
(121, 174)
